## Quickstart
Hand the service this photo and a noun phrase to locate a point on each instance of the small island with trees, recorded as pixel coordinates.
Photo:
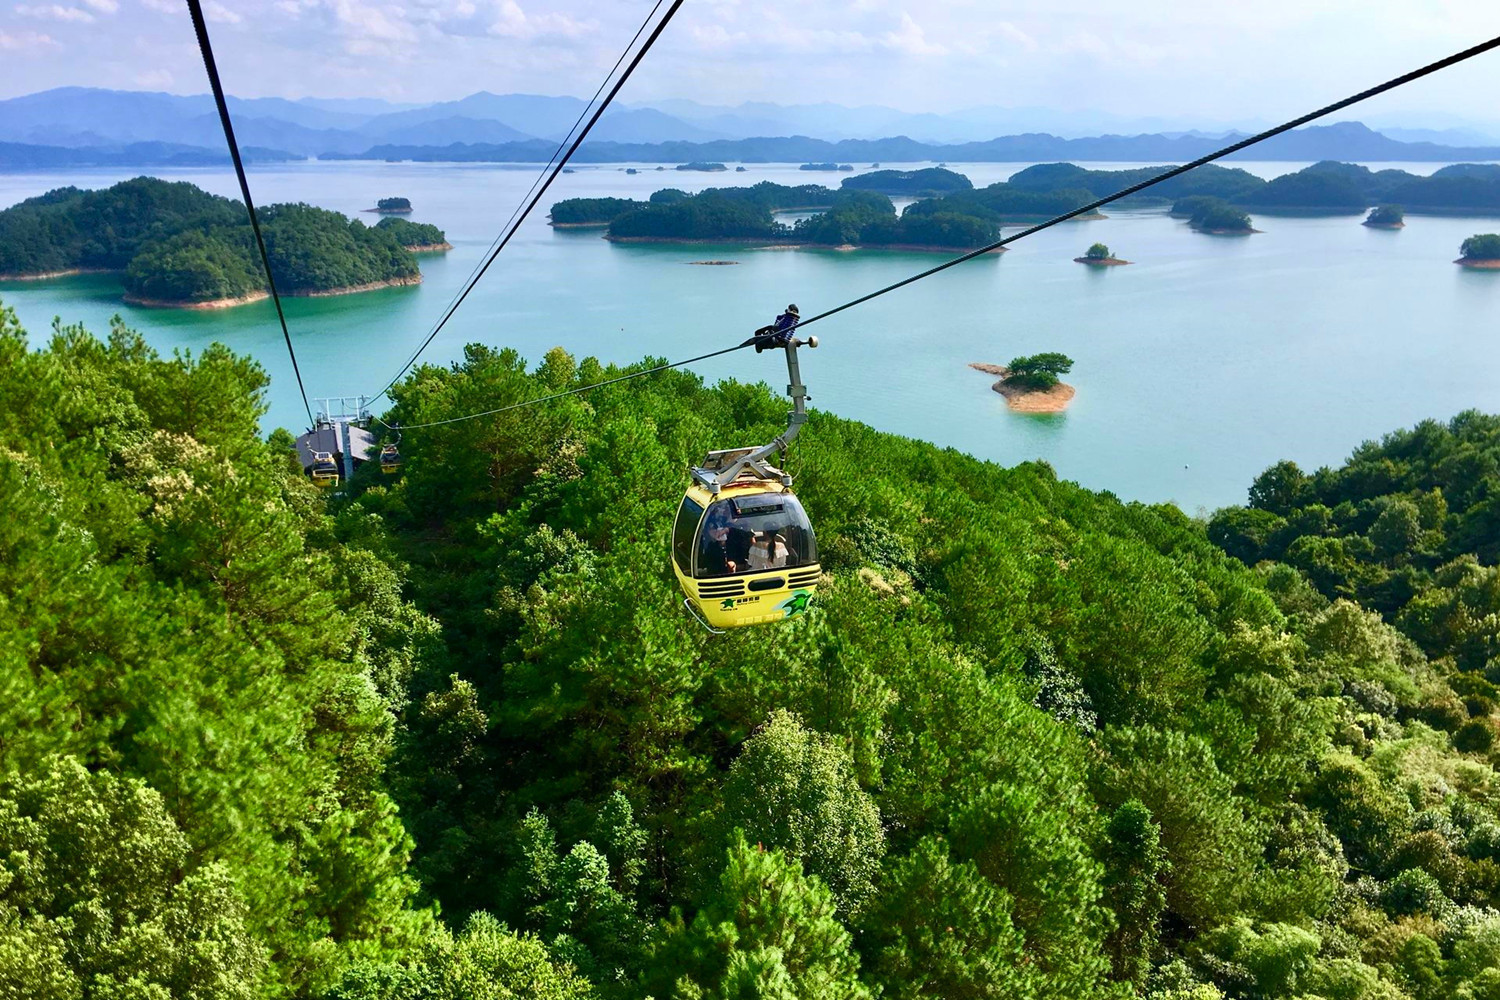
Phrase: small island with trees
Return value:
(1032, 383)
(575, 213)
(830, 167)
(1480, 252)
(392, 206)
(930, 182)
(176, 246)
(710, 168)
(1213, 216)
(416, 237)
(1385, 217)
(1099, 255)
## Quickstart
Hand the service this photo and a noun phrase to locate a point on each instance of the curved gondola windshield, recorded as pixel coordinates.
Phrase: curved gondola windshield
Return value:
(752, 534)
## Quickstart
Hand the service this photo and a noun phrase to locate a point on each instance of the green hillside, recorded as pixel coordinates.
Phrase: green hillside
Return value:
(452, 736)
(177, 244)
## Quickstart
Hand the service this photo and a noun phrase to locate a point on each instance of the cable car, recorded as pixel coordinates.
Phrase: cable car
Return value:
(390, 460)
(324, 470)
(742, 547)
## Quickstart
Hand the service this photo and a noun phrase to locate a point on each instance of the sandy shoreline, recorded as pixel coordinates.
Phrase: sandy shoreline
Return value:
(430, 247)
(760, 244)
(1100, 261)
(1227, 232)
(1479, 263)
(257, 296)
(1384, 225)
(241, 300)
(1019, 400)
(68, 273)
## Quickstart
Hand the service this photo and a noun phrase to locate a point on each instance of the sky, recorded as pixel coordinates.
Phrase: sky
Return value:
(1195, 62)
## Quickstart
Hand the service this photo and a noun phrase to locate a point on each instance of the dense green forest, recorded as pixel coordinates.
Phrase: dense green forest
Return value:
(452, 737)
(1212, 179)
(176, 243)
(413, 234)
(71, 228)
(311, 250)
(929, 182)
(1326, 187)
(849, 217)
(1005, 202)
(590, 211)
(1212, 215)
(1481, 246)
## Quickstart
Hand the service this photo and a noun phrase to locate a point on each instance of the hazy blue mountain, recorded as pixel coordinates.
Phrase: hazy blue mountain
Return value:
(505, 125)
(649, 125)
(113, 115)
(442, 131)
(368, 106)
(547, 117)
(85, 116)
(834, 122)
(1342, 141)
(1444, 136)
(24, 156)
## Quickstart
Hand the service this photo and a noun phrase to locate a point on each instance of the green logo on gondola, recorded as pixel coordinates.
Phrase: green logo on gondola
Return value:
(727, 604)
(795, 604)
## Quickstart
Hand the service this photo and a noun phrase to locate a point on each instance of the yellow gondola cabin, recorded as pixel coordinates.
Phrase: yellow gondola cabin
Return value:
(742, 547)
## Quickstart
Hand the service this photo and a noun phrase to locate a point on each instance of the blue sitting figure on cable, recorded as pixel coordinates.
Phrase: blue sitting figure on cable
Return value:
(779, 333)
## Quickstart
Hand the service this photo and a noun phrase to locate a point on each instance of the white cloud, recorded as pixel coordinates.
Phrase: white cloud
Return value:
(21, 41)
(155, 79)
(511, 21)
(103, 6)
(218, 12)
(911, 39)
(163, 6)
(1009, 31)
(54, 12)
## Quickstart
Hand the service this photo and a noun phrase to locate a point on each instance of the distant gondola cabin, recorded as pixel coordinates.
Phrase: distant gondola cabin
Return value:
(321, 451)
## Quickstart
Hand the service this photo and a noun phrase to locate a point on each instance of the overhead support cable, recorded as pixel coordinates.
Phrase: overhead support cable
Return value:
(512, 222)
(1392, 84)
(200, 26)
(552, 176)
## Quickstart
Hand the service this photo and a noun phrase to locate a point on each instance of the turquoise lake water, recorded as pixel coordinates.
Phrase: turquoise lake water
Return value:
(1196, 367)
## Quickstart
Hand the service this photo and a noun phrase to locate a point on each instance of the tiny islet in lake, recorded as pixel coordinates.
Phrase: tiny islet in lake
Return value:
(1206, 361)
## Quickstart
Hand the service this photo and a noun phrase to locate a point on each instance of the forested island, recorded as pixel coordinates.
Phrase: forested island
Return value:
(1099, 255)
(393, 206)
(451, 736)
(929, 182)
(1481, 252)
(847, 219)
(589, 211)
(705, 167)
(417, 237)
(1032, 384)
(1213, 198)
(1325, 188)
(1386, 217)
(178, 246)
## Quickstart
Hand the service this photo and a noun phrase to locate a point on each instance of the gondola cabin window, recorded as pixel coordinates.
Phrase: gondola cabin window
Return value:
(755, 533)
(683, 532)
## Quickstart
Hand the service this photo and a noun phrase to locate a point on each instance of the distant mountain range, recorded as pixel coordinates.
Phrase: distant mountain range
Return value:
(91, 127)
(1349, 141)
